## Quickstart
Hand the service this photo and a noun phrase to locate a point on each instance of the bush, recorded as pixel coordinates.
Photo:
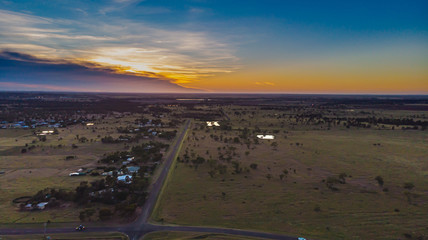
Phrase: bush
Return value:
(104, 214)
(379, 180)
(342, 178)
(408, 185)
(82, 216)
(331, 180)
(317, 208)
(253, 166)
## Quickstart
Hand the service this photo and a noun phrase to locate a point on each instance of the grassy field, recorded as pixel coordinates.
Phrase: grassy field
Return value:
(70, 236)
(193, 235)
(302, 204)
(46, 166)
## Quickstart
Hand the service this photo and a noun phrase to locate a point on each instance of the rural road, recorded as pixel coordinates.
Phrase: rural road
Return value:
(141, 227)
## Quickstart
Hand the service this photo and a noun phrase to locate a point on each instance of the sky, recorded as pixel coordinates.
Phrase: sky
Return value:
(269, 46)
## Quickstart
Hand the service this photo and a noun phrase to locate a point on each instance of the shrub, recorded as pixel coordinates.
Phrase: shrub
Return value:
(379, 180)
(408, 185)
(104, 214)
(317, 208)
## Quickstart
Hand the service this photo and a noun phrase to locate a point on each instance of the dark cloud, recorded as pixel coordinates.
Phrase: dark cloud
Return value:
(22, 69)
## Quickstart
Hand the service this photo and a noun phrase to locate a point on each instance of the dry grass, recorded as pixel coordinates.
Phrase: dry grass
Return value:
(359, 210)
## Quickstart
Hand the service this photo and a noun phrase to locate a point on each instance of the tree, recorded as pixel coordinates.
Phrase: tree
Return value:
(89, 212)
(317, 208)
(274, 145)
(331, 180)
(281, 176)
(342, 177)
(82, 216)
(211, 173)
(253, 166)
(237, 166)
(409, 185)
(268, 176)
(379, 180)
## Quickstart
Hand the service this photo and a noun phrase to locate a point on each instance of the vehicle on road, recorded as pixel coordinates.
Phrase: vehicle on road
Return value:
(80, 228)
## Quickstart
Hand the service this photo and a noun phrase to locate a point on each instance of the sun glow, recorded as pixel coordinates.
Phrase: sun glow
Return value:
(126, 66)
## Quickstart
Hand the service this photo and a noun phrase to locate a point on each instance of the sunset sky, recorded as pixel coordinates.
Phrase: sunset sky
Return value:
(278, 46)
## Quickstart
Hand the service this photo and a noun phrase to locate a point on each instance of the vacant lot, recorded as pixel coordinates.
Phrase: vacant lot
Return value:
(316, 179)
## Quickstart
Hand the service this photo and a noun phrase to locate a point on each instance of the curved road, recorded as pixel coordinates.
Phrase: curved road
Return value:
(140, 227)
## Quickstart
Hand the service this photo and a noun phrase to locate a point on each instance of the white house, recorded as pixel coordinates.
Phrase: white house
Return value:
(269, 137)
(42, 205)
(125, 178)
(213, 123)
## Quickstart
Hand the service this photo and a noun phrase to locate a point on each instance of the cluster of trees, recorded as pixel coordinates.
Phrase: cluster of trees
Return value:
(121, 138)
(169, 135)
(156, 110)
(115, 157)
(124, 196)
(147, 152)
(203, 115)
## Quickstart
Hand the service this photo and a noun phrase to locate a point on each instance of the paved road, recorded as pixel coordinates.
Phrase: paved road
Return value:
(157, 186)
(140, 227)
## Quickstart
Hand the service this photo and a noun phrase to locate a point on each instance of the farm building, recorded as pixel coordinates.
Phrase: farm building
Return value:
(269, 137)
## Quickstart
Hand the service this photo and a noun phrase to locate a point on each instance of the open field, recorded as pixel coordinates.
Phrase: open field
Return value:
(70, 236)
(192, 235)
(329, 189)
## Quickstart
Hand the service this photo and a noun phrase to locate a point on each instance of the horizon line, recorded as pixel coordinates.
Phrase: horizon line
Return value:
(220, 93)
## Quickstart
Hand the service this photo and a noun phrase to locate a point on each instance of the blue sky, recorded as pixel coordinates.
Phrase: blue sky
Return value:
(214, 45)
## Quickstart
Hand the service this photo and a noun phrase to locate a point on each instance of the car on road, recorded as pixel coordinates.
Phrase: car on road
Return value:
(80, 228)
